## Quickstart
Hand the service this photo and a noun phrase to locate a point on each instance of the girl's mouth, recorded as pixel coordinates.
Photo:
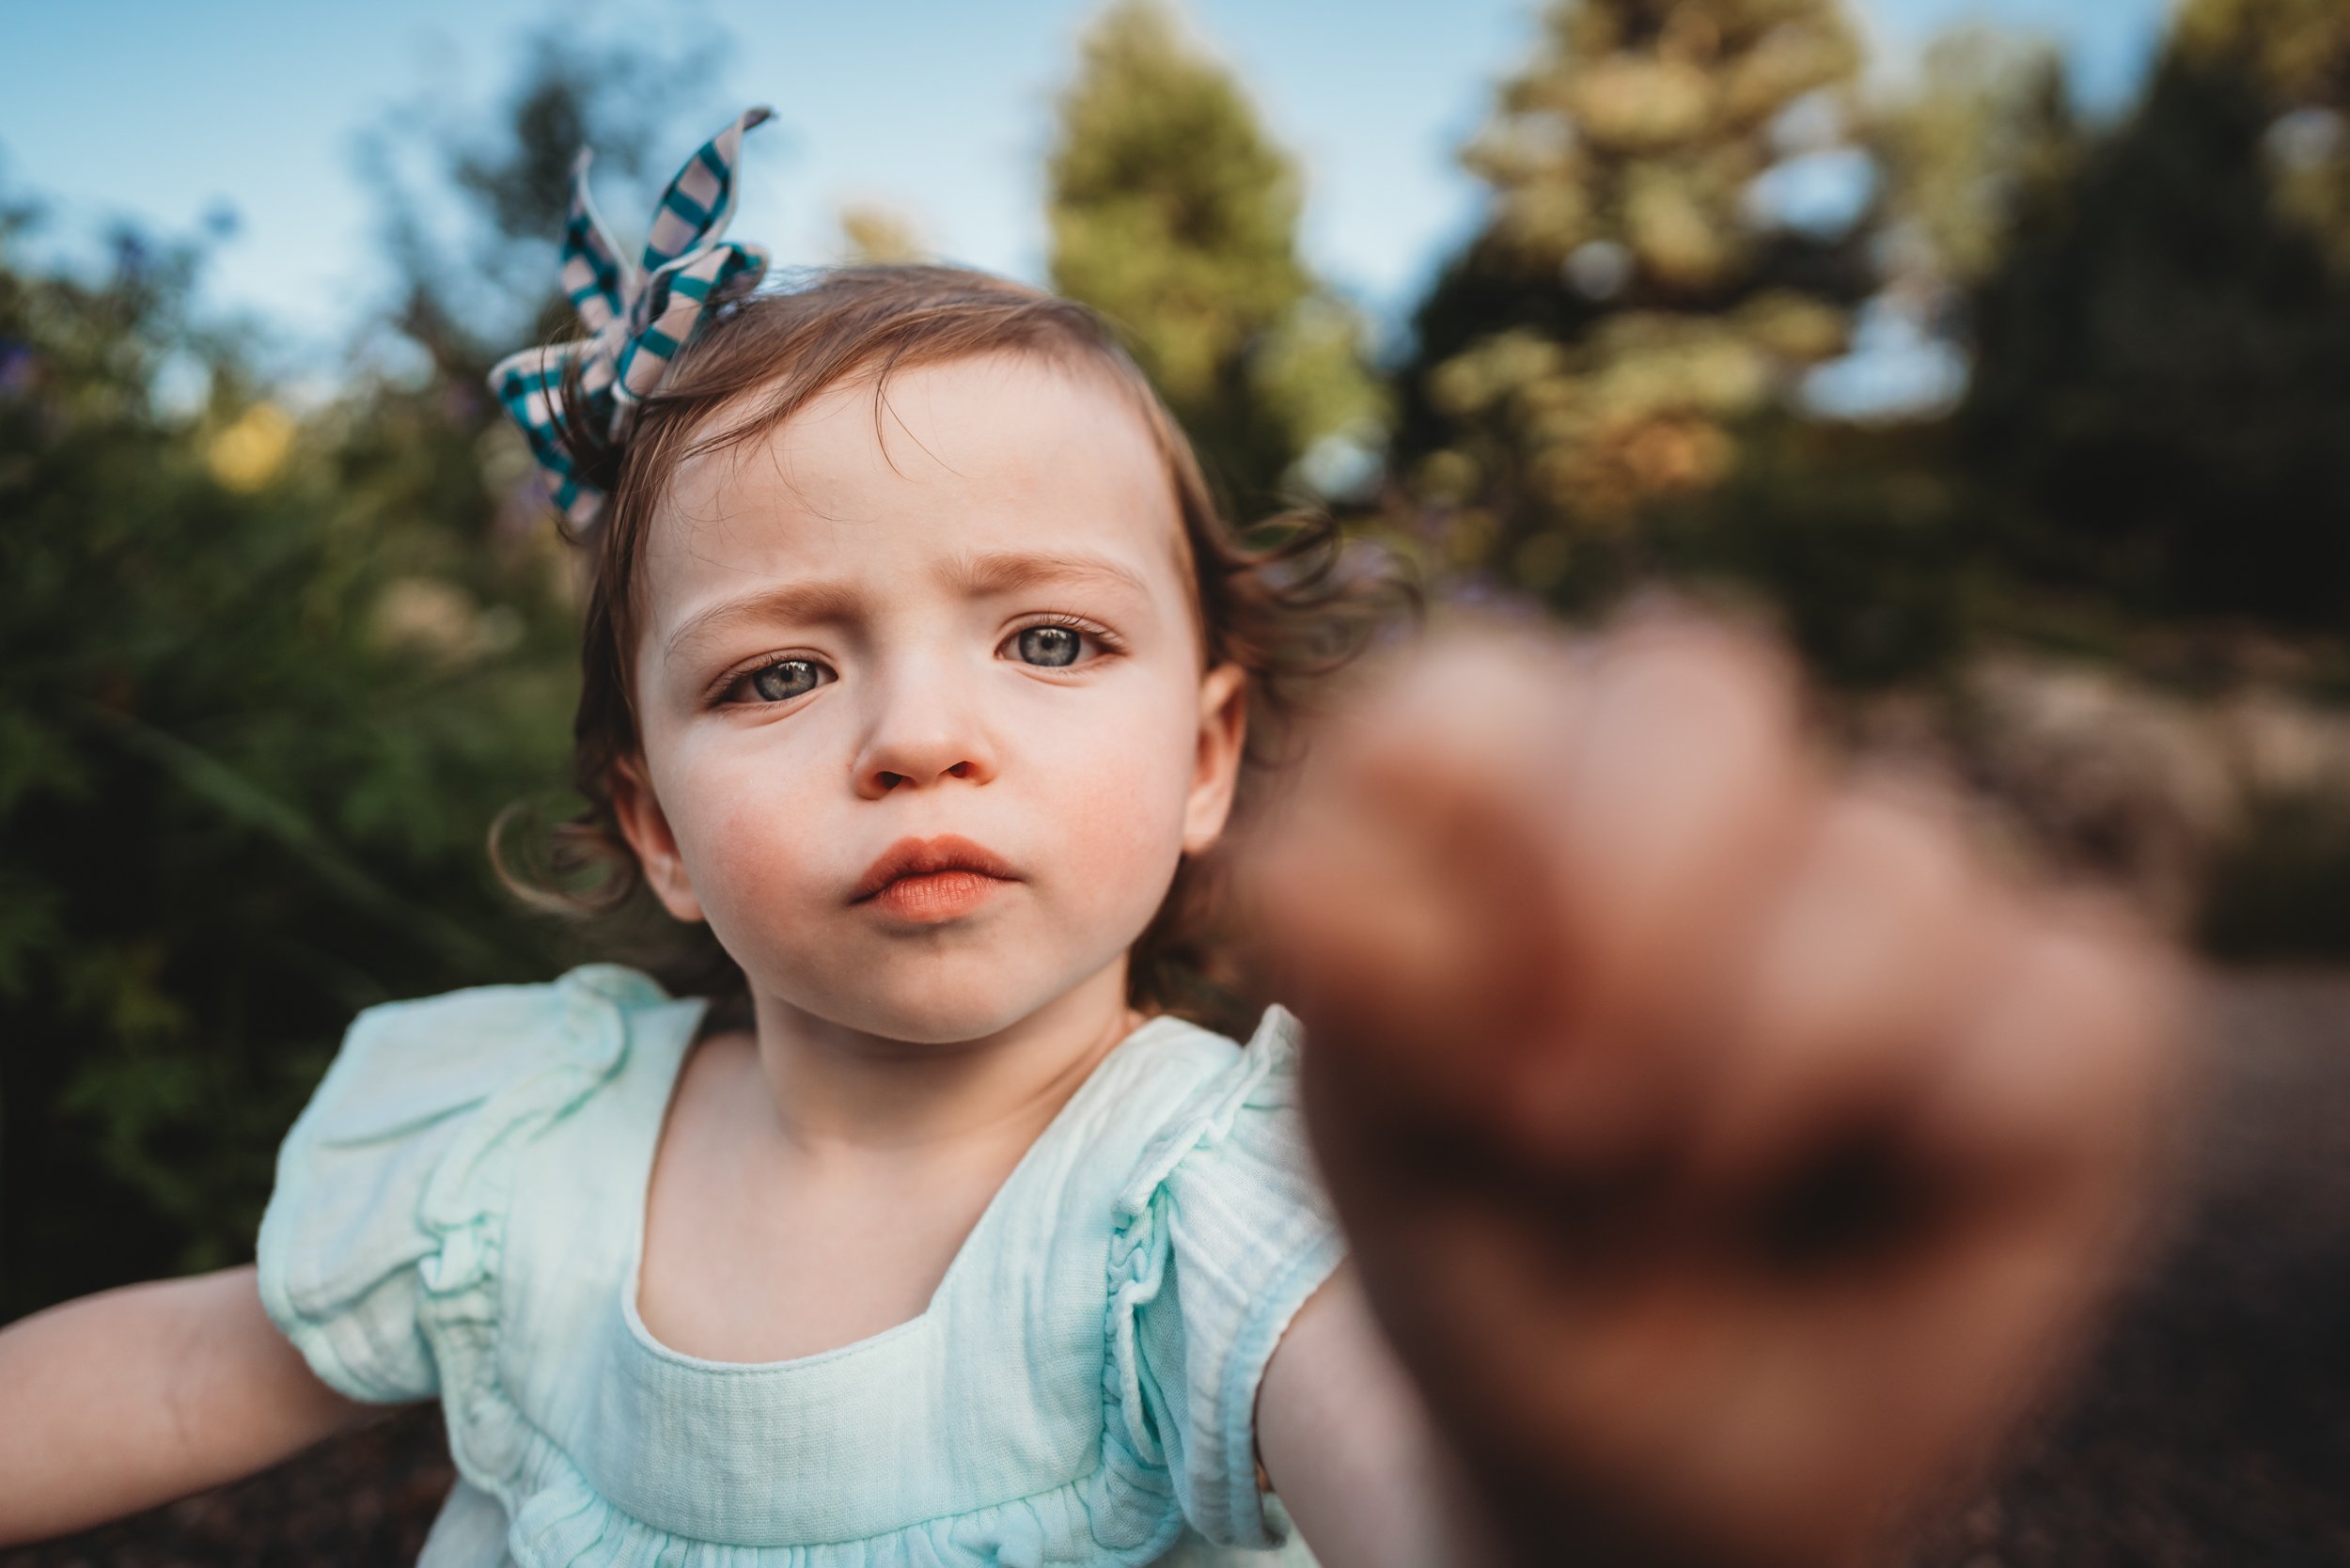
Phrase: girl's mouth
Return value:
(931, 880)
(937, 895)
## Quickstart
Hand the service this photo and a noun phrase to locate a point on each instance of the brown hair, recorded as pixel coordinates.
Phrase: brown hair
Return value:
(1291, 602)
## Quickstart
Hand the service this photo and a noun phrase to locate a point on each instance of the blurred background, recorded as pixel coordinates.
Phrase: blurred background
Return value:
(1996, 352)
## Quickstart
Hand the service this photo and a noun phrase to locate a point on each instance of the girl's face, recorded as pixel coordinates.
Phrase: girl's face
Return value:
(964, 628)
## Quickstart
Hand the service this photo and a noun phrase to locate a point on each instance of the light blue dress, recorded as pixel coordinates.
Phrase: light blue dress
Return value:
(459, 1215)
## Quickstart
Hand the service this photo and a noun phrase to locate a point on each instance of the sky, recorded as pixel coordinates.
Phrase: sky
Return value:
(163, 112)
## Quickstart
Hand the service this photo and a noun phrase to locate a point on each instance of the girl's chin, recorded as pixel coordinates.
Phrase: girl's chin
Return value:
(942, 984)
(926, 1007)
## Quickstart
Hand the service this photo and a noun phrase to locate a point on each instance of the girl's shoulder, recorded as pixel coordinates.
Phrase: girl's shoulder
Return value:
(409, 1061)
(1225, 1111)
(1222, 1232)
(407, 1067)
(1198, 1142)
(404, 1158)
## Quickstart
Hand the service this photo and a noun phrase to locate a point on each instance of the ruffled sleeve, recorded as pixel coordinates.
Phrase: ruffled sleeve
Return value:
(1223, 1236)
(372, 1208)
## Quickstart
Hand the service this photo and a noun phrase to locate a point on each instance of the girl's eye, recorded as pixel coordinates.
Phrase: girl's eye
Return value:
(786, 678)
(1047, 645)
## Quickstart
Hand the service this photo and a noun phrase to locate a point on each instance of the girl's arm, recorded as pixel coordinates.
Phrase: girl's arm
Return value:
(127, 1399)
(1350, 1449)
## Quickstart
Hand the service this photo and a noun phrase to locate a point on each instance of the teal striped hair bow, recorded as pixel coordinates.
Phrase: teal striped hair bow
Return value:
(636, 317)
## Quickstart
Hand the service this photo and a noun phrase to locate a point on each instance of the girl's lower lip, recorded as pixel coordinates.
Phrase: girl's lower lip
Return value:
(939, 895)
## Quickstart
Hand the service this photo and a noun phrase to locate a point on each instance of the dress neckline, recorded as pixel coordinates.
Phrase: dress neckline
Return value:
(631, 1282)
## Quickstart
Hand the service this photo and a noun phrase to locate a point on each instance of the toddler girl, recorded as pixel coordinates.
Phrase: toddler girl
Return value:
(921, 670)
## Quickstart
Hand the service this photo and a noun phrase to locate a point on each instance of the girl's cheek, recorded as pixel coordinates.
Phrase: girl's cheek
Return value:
(750, 833)
(1124, 792)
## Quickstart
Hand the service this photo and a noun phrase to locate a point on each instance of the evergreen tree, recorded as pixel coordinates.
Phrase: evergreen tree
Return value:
(2164, 374)
(2297, 54)
(1174, 214)
(1644, 285)
(1985, 133)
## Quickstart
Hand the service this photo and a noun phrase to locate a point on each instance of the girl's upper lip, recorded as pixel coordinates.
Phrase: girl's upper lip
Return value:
(948, 852)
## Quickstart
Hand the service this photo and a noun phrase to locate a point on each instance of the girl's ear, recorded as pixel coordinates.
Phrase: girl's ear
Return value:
(646, 827)
(1223, 732)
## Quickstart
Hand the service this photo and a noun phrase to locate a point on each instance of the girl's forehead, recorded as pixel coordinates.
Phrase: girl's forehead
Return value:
(990, 452)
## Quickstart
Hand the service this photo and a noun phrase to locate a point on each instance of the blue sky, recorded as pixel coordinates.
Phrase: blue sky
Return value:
(161, 110)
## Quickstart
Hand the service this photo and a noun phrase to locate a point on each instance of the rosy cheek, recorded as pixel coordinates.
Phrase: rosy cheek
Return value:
(1122, 798)
(750, 849)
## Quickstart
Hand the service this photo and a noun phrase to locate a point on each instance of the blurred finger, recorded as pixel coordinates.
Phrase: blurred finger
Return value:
(1680, 778)
(1398, 895)
(1679, 794)
(1844, 989)
(2066, 1082)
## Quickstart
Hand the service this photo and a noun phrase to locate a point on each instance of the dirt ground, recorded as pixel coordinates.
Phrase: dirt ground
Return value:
(2212, 1428)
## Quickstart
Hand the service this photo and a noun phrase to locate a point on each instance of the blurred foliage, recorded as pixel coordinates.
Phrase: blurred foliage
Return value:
(2148, 322)
(268, 671)
(1986, 131)
(1657, 268)
(1174, 214)
(877, 235)
(2121, 444)
(2163, 383)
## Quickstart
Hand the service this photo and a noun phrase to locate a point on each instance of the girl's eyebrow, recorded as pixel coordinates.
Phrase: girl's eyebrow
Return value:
(794, 603)
(832, 603)
(1010, 570)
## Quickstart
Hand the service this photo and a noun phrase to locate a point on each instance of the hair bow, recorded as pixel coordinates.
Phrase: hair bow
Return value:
(636, 316)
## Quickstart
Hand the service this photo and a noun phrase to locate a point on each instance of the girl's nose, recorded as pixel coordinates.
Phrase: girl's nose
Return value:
(924, 731)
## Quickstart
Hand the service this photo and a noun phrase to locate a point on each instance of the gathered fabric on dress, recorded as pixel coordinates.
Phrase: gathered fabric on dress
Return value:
(460, 1215)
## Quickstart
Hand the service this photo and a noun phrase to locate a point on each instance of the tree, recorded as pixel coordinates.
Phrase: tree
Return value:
(2163, 381)
(1678, 229)
(1173, 213)
(1985, 133)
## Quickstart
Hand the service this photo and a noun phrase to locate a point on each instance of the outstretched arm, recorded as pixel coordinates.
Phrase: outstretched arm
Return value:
(1349, 1447)
(124, 1400)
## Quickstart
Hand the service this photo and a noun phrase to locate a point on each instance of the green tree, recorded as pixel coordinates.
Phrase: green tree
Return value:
(1864, 535)
(1173, 213)
(1643, 287)
(2295, 54)
(1984, 133)
(2163, 382)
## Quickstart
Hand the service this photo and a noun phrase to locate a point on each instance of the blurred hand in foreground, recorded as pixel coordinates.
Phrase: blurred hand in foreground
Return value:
(1729, 1149)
